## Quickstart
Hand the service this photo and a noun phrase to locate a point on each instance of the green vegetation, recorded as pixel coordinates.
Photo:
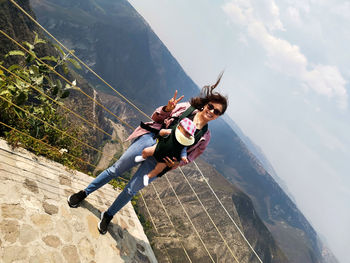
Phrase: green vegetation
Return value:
(28, 85)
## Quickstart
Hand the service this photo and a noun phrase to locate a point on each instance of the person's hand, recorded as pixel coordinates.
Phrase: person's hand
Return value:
(164, 132)
(170, 162)
(185, 160)
(172, 102)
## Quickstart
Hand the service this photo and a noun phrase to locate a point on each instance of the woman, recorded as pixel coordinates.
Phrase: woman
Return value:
(208, 106)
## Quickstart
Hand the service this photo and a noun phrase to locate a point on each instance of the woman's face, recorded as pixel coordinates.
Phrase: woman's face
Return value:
(211, 111)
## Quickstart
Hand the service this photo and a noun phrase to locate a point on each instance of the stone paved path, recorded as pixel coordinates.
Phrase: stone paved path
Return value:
(37, 225)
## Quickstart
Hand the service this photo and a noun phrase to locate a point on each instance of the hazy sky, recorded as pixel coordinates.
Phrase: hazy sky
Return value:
(287, 71)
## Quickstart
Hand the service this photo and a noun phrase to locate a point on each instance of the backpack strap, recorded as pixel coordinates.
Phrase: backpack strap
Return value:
(176, 120)
(185, 114)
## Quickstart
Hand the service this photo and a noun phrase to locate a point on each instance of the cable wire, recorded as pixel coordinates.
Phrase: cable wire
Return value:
(209, 215)
(55, 101)
(52, 147)
(53, 127)
(66, 80)
(52, 69)
(171, 222)
(31, 18)
(46, 144)
(149, 213)
(233, 221)
(188, 217)
(70, 52)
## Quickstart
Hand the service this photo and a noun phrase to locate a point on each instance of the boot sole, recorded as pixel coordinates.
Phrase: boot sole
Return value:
(99, 224)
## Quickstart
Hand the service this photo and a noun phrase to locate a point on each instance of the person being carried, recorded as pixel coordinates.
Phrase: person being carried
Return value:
(171, 143)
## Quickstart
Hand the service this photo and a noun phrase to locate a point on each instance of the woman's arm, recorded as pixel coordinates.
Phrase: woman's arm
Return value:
(164, 112)
(195, 151)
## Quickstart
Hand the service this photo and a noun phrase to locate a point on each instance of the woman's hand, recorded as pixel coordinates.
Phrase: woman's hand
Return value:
(171, 163)
(164, 132)
(172, 102)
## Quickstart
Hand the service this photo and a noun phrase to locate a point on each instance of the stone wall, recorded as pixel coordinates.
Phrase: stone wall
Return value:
(37, 225)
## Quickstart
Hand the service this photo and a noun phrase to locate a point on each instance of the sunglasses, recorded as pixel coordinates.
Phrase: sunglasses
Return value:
(211, 107)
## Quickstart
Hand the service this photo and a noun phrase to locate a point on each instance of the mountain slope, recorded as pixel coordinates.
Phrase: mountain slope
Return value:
(119, 44)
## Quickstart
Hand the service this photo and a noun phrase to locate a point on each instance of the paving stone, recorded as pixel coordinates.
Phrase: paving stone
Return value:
(116, 249)
(99, 200)
(68, 192)
(64, 211)
(131, 223)
(52, 241)
(49, 208)
(27, 234)
(127, 212)
(42, 221)
(86, 249)
(65, 180)
(31, 186)
(78, 225)
(38, 226)
(10, 230)
(92, 226)
(70, 253)
(12, 211)
(123, 224)
(46, 257)
(14, 253)
(64, 230)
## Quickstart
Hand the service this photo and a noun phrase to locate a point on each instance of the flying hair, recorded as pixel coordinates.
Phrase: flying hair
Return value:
(209, 95)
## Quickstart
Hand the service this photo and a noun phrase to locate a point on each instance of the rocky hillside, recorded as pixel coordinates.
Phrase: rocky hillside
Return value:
(115, 41)
(237, 204)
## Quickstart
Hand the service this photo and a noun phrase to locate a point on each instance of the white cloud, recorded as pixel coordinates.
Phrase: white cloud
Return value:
(274, 23)
(287, 58)
(327, 80)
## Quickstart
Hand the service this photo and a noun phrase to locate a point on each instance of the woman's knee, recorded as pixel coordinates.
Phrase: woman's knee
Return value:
(112, 171)
(131, 192)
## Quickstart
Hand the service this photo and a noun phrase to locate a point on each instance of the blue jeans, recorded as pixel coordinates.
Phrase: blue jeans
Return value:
(125, 163)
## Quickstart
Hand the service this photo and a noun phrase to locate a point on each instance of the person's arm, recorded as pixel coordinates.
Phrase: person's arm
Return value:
(184, 155)
(173, 164)
(197, 151)
(163, 112)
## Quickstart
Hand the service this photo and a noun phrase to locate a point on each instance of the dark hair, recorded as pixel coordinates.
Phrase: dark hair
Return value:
(209, 95)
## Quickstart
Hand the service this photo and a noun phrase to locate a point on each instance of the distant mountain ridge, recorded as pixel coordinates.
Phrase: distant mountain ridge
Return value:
(132, 58)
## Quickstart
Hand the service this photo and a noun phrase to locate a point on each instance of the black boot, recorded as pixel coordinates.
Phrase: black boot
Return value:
(103, 224)
(75, 199)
